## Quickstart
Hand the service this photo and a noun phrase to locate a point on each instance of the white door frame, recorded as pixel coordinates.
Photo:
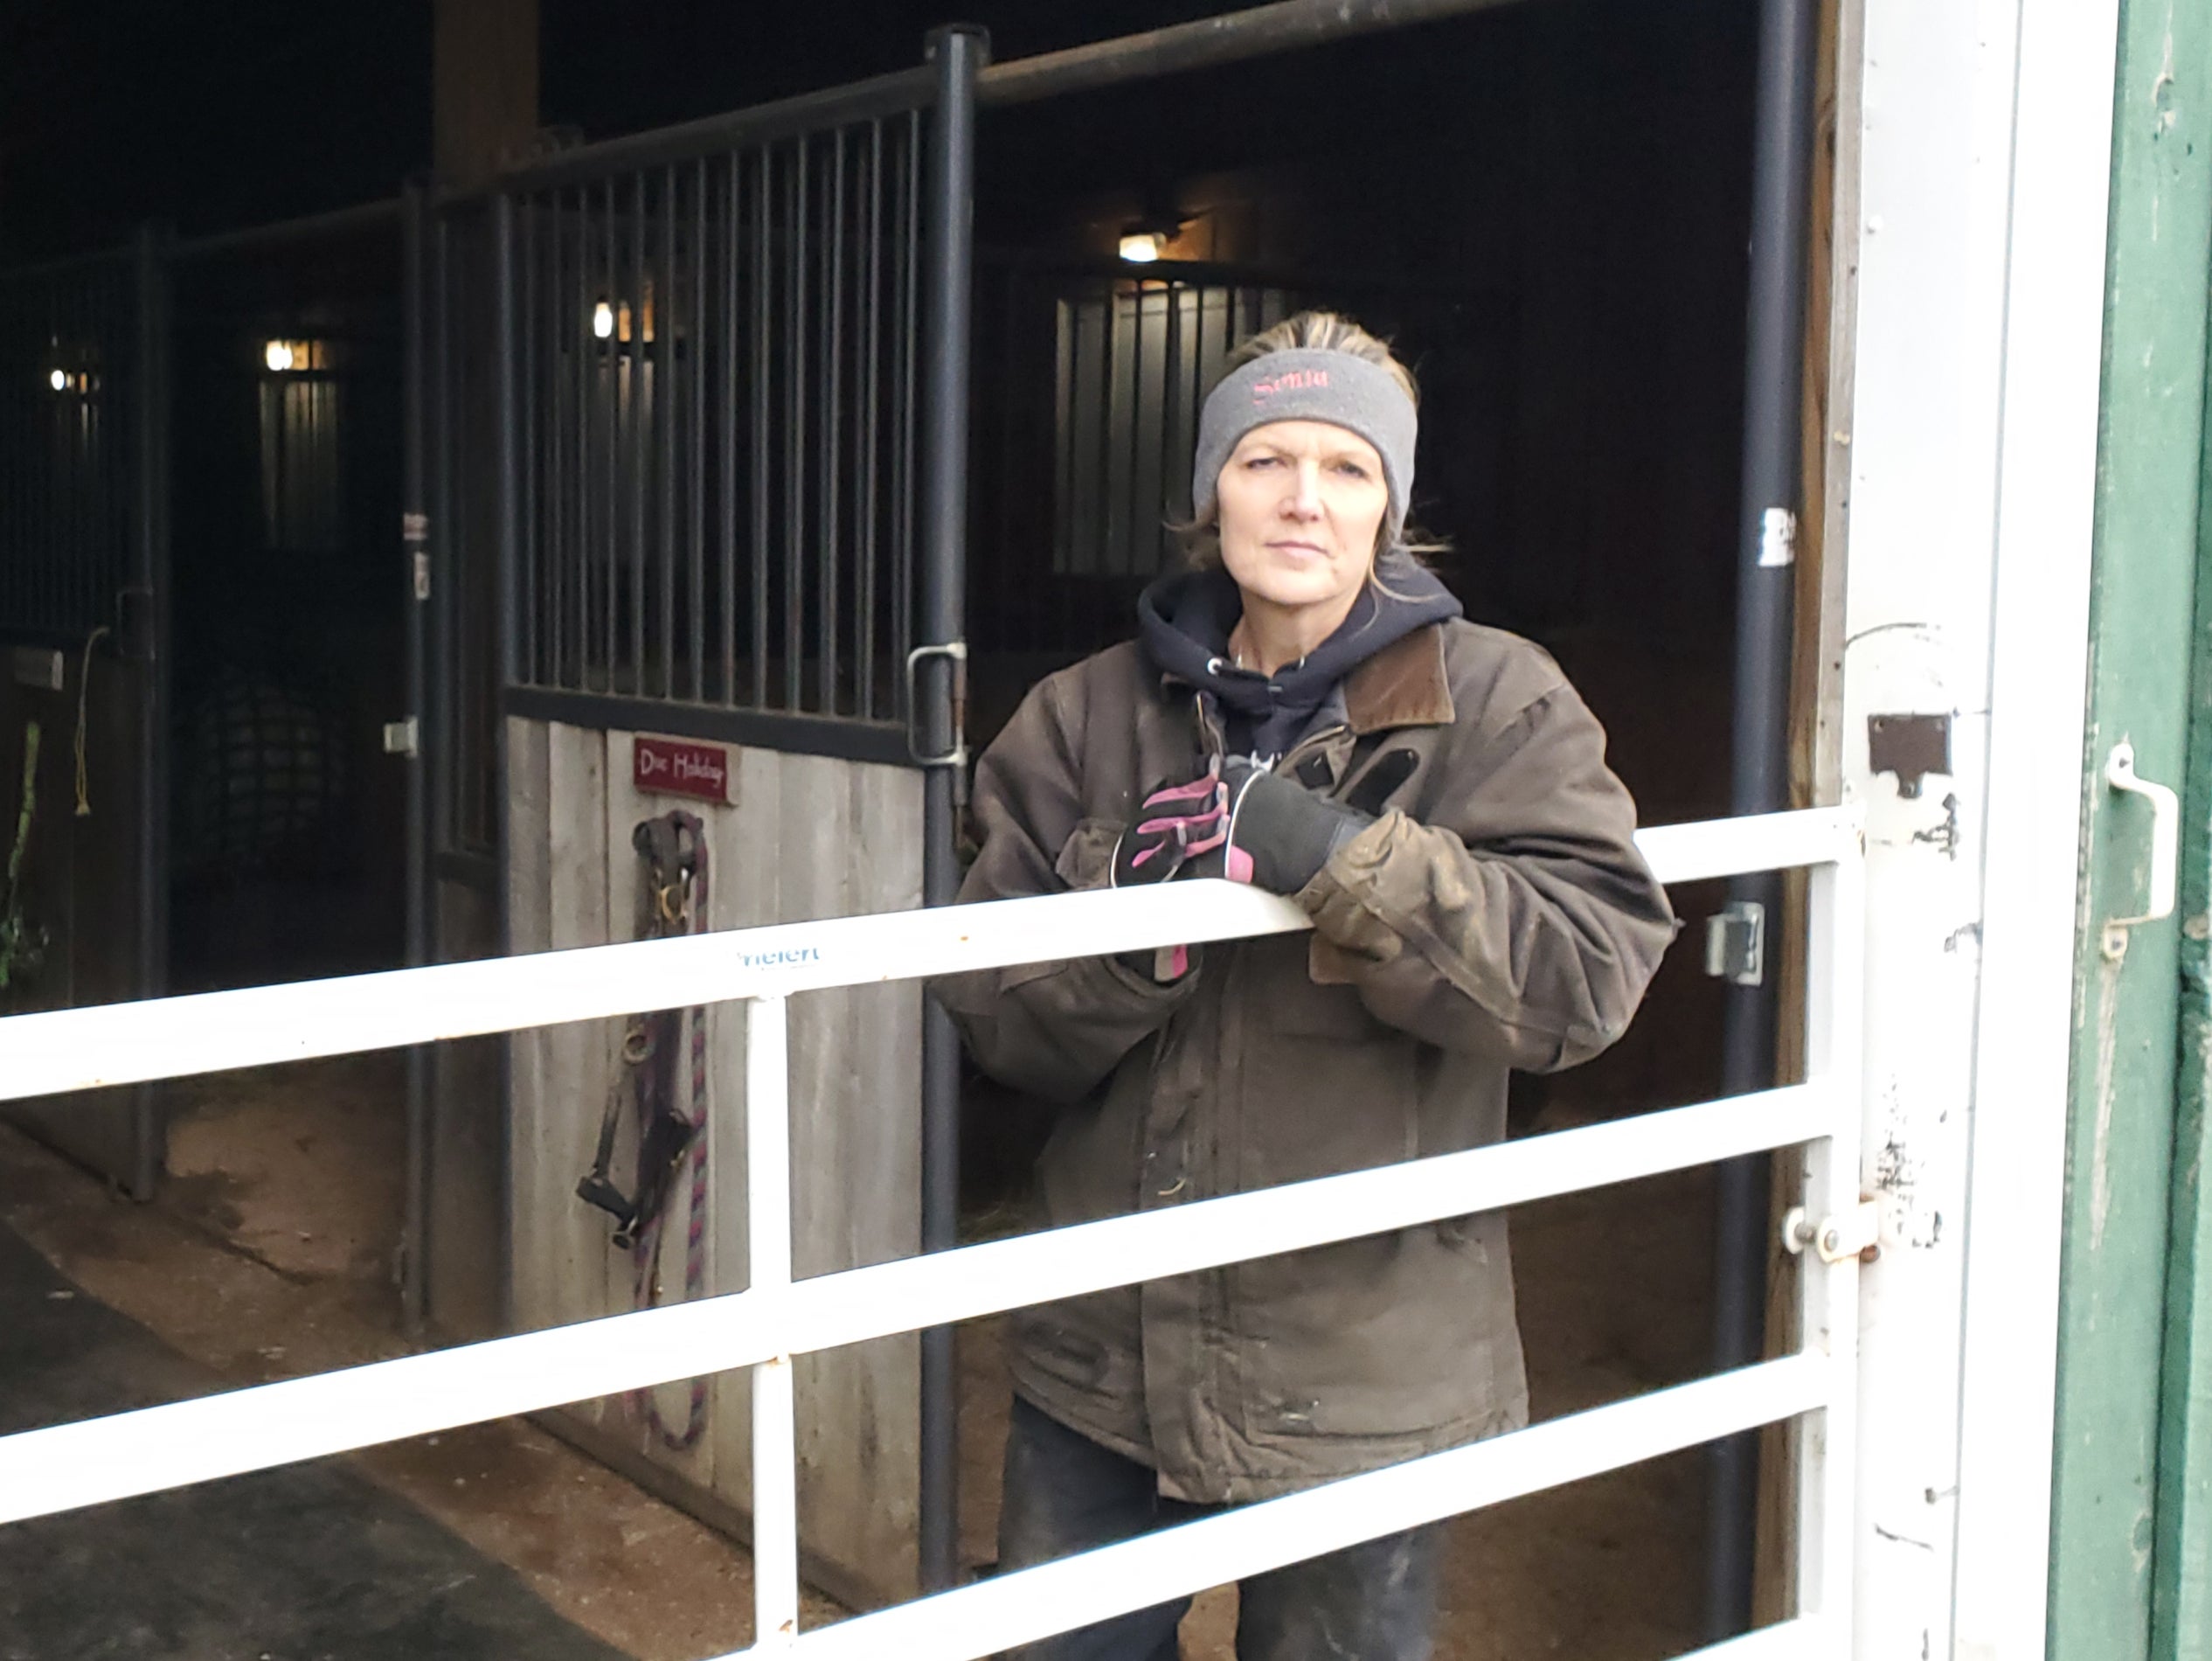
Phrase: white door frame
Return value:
(1984, 138)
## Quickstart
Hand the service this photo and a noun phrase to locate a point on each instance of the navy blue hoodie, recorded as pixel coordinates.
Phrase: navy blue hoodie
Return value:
(1183, 622)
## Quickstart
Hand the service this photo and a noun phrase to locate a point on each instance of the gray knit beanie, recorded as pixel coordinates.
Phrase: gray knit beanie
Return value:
(1310, 384)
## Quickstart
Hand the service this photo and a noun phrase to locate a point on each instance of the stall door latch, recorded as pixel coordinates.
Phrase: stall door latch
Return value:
(1856, 1234)
(1735, 943)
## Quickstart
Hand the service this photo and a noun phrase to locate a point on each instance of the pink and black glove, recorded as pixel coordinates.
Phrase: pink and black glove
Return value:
(1281, 833)
(1175, 825)
(1245, 822)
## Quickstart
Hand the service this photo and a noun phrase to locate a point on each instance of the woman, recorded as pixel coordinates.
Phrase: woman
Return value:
(1305, 709)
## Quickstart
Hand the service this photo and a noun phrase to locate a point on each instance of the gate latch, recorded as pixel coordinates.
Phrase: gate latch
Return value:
(955, 653)
(1856, 1234)
(1735, 943)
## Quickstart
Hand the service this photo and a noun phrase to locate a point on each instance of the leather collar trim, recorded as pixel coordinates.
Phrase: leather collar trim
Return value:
(1405, 685)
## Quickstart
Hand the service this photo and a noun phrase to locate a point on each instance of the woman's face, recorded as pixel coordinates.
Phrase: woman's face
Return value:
(1301, 504)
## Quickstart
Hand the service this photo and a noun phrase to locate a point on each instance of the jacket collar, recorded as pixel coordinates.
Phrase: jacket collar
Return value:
(1405, 685)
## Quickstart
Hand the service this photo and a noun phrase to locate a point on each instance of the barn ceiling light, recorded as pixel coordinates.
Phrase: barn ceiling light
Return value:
(1142, 247)
(603, 321)
(278, 355)
(58, 380)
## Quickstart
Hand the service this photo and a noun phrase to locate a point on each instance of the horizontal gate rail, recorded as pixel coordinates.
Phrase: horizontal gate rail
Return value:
(1036, 1602)
(93, 1461)
(82, 1049)
(68, 1466)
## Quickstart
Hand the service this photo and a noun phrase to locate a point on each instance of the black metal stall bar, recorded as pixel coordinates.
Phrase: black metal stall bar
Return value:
(415, 573)
(150, 588)
(939, 664)
(387, 214)
(1256, 31)
(1773, 386)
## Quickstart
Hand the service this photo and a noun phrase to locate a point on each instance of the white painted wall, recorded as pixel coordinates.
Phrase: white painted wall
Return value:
(1983, 147)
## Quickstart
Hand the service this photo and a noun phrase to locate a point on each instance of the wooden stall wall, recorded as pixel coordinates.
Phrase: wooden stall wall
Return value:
(804, 837)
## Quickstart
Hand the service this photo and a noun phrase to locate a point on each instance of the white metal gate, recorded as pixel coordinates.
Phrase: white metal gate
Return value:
(1814, 1384)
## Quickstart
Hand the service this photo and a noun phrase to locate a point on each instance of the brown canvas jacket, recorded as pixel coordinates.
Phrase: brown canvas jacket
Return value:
(1497, 915)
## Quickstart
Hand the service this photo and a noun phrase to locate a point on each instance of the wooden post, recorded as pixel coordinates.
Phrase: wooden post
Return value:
(484, 87)
(1816, 696)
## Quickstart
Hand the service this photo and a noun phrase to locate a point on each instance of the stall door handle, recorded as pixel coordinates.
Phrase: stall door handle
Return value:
(2166, 844)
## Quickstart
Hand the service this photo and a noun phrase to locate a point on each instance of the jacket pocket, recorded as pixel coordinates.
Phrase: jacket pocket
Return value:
(1325, 1087)
(1085, 860)
(1390, 1336)
(1287, 1001)
(1059, 1351)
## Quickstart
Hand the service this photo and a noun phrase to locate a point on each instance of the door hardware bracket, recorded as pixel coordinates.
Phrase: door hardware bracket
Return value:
(1856, 1234)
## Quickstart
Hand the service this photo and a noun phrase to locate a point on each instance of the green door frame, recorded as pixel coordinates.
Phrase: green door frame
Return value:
(2130, 1531)
(2182, 1550)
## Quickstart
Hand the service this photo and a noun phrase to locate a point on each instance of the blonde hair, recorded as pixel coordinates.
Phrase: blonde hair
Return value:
(1200, 540)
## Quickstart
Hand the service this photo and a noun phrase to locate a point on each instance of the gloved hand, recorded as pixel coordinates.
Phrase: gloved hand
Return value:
(1176, 823)
(1281, 833)
(1245, 822)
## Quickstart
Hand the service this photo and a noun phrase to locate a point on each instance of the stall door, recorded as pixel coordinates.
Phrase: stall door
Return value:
(83, 793)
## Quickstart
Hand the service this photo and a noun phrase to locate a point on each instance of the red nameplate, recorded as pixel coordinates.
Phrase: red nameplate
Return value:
(674, 767)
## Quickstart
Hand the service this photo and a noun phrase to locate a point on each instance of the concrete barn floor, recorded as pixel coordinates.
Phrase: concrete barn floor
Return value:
(268, 1255)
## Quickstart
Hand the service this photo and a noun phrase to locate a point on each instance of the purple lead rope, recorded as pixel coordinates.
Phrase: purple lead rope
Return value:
(649, 1244)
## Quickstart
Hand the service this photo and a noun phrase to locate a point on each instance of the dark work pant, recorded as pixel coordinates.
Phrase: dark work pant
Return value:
(1064, 1494)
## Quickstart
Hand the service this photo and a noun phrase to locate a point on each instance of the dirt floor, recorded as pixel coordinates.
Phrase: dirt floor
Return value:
(270, 1255)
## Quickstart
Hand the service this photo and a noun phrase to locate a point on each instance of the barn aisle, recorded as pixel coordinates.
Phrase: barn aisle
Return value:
(307, 1563)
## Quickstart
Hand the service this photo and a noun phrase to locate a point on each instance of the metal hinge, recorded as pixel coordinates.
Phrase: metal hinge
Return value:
(1735, 943)
(1856, 1234)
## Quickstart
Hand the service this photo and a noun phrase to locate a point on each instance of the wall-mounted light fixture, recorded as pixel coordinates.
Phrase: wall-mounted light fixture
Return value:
(603, 321)
(296, 356)
(1158, 227)
(58, 380)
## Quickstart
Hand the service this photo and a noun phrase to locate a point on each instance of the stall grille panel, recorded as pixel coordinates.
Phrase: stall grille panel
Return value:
(302, 476)
(1134, 363)
(716, 386)
(1086, 416)
(68, 485)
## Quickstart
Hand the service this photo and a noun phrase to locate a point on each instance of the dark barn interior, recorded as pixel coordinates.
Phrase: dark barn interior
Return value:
(1542, 205)
(287, 846)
